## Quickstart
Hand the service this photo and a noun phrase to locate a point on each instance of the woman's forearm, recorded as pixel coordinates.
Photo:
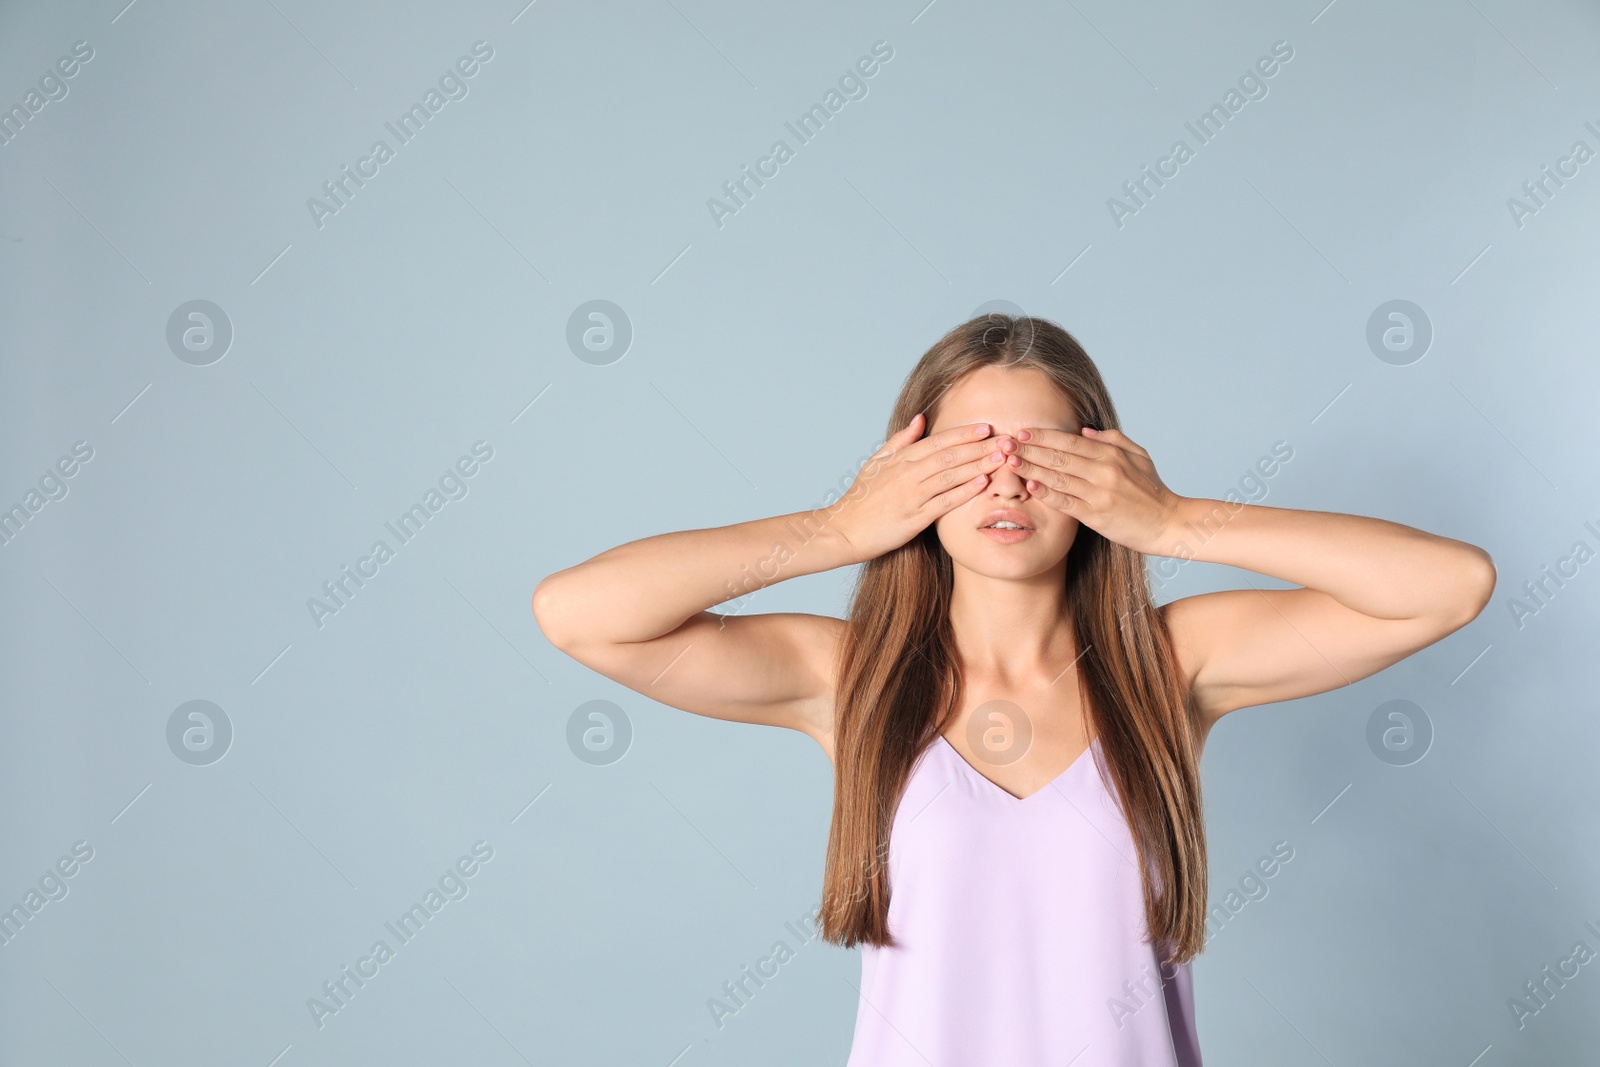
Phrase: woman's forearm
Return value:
(643, 589)
(1373, 566)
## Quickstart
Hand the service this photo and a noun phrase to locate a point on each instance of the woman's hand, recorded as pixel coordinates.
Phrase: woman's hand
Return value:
(909, 483)
(1103, 480)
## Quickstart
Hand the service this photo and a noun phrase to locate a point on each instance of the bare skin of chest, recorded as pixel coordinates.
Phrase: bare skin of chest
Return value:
(1021, 738)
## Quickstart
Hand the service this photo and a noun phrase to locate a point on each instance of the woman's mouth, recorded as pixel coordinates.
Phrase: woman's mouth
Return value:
(1006, 526)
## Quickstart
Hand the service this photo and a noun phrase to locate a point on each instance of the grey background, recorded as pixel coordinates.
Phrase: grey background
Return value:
(368, 754)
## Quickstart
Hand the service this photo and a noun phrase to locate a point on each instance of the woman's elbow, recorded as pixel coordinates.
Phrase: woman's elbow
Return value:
(551, 611)
(1476, 586)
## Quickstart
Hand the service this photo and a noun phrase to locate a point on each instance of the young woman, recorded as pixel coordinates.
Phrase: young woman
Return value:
(1015, 726)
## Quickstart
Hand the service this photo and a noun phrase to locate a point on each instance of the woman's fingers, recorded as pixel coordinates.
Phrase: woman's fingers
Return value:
(1091, 444)
(1122, 440)
(1060, 471)
(959, 455)
(1054, 479)
(954, 497)
(1061, 441)
(1064, 453)
(1054, 498)
(987, 460)
(912, 430)
(949, 438)
(903, 438)
(1107, 461)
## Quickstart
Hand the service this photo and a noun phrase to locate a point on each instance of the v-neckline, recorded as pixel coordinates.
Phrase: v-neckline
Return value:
(1006, 793)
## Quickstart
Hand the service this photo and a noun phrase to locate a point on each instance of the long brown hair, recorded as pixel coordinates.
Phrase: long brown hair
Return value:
(899, 680)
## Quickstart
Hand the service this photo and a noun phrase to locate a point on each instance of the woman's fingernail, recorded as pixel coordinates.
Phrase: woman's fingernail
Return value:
(982, 428)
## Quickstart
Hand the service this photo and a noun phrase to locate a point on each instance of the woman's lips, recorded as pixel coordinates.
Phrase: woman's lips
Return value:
(1011, 515)
(1005, 537)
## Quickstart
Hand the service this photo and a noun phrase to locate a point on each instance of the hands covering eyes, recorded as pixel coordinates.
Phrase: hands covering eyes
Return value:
(1102, 479)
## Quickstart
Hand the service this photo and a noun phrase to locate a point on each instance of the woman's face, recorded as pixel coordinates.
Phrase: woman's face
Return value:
(1009, 399)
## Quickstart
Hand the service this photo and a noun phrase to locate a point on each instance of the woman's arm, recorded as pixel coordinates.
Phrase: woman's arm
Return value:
(637, 614)
(1373, 593)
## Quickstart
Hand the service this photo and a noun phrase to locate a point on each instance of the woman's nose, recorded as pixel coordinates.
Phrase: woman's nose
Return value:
(1008, 478)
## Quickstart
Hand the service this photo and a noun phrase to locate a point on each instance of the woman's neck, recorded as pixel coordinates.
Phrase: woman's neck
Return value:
(1011, 627)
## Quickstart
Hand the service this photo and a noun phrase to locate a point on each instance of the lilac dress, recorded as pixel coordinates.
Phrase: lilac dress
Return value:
(1020, 923)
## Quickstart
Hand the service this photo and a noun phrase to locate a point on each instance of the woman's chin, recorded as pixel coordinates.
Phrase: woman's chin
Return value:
(1023, 560)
